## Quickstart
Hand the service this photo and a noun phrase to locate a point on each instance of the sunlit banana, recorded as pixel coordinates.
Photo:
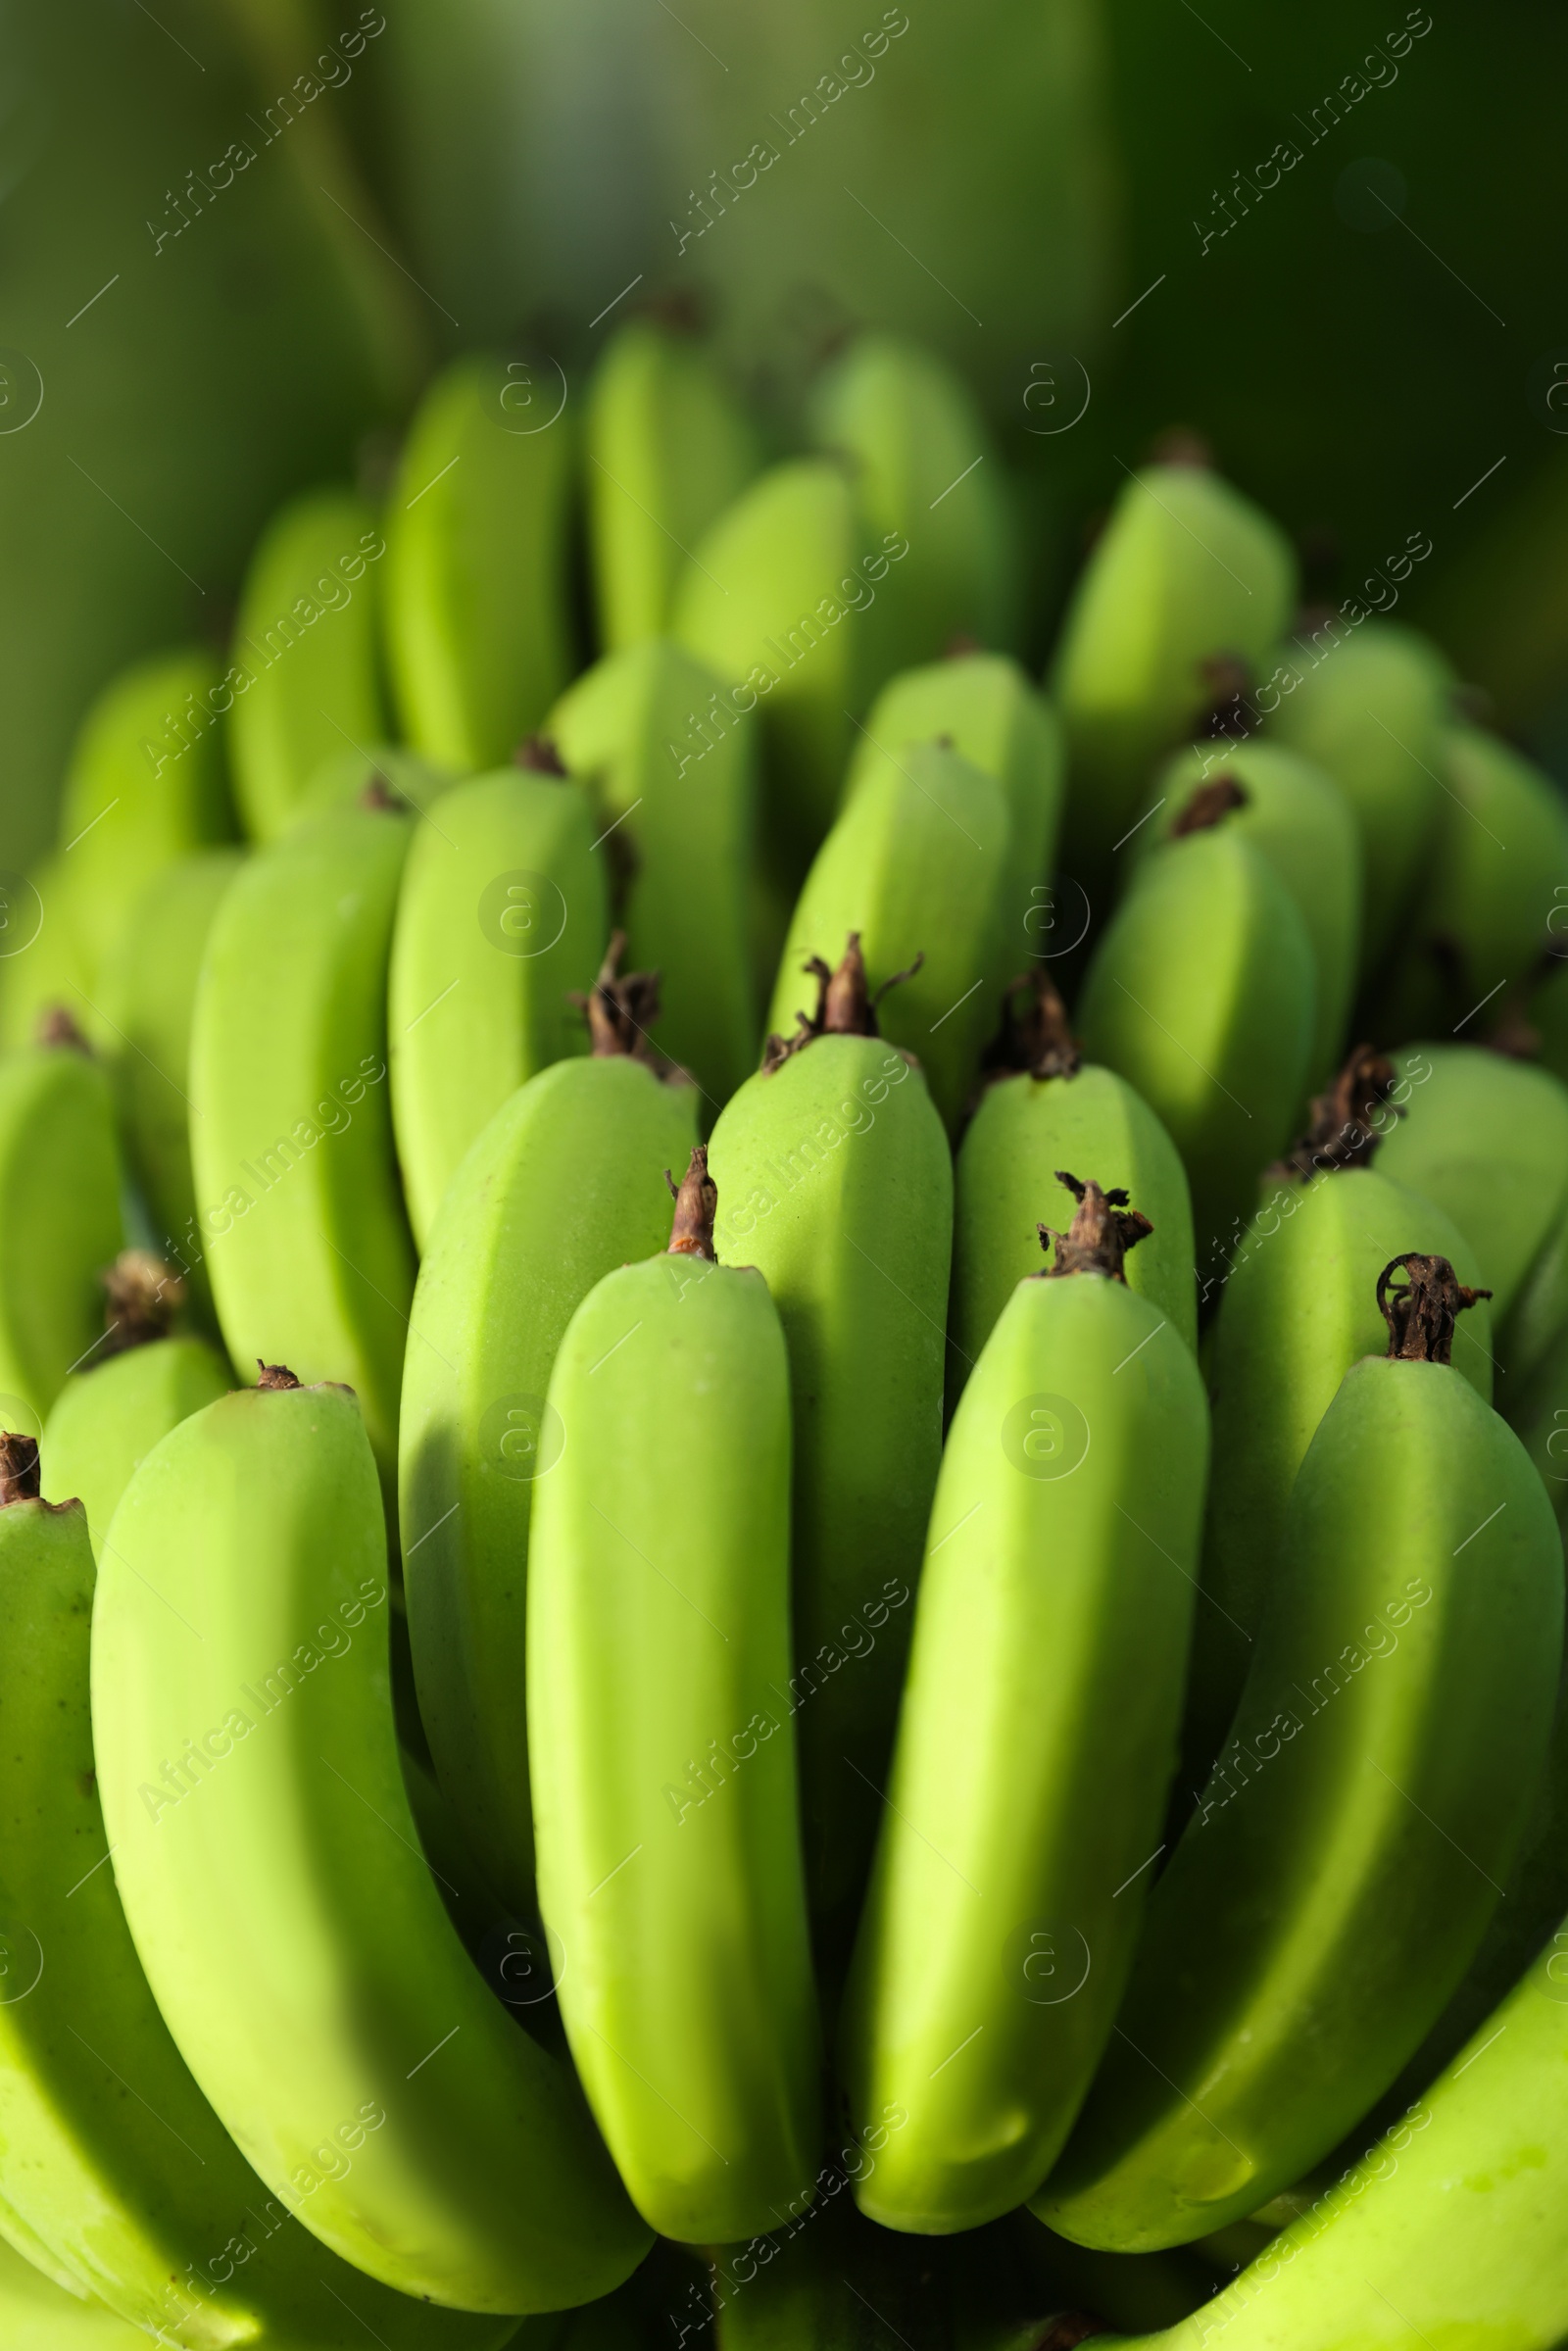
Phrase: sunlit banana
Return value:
(306, 679)
(60, 1222)
(36, 2314)
(500, 918)
(660, 1743)
(244, 1767)
(476, 603)
(835, 1181)
(1355, 1833)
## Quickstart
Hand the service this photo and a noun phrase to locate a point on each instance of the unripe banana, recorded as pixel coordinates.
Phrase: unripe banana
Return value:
(307, 641)
(147, 995)
(564, 1184)
(926, 470)
(986, 706)
(835, 1184)
(915, 868)
(47, 966)
(114, 2172)
(1497, 872)
(1202, 994)
(668, 447)
(1044, 1108)
(1187, 579)
(664, 1776)
(1354, 1837)
(36, 2314)
(1296, 816)
(1297, 1309)
(478, 636)
(108, 1417)
(786, 598)
(672, 773)
(369, 772)
(1057, 1594)
(60, 1222)
(137, 794)
(254, 1887)
(1371, 709)
(501, 920)
(291, 1134)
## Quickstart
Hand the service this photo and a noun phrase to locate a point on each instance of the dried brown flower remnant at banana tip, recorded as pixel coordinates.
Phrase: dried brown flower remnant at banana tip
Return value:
(537, 755)
(141, 1297)
(275, 1375)
(1066, 2330)
(19, 1468)
(1208, 807)
(1349, 1119)
(1421, 1316)
(621, 1007)
(1036, 1036)
(696, 1199)
(382, 797)
(58, 1030)
(1103, 1230)
(846, 1004)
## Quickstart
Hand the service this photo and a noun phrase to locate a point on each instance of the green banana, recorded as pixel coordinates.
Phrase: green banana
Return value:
(291, 1135)
(668, 447)
(657, 1635)
(1296, 816)
(112, 2164)
(149, 997)
(306, 676)
(1496, 876)
(378, 771)
(60, 1222)
(914, 868)
(108, 1418)
(926, 470)
(501, 917)
(563, 1186)
(1202, 994)
(1009, 1874)
(259, 1891)
(1044, 1108)
(1326, 1898)
(47, 964)
(36, 2314)
(786, 598)
(679, 844)
(986, 706)
(1187, 579)
(478, 639)
(1297, 1309)
(838, 1188)
(1370, 709)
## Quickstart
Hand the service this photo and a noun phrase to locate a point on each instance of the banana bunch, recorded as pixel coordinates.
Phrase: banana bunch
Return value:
(644, 1702)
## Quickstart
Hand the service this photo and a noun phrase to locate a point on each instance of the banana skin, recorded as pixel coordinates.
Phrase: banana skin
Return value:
(566, 1184)
(60, 1221)
(252, 1884)
(1353, 1838)
(1057, 1594)
(835, 1181)
(106, 1421)
(664, 1786)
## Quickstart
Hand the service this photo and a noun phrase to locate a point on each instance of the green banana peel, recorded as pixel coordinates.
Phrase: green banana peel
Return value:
(60, 1223)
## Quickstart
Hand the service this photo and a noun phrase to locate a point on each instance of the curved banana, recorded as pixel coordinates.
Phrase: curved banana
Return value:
(254, 1885)
(1352, 1841)
(477, 527)
(107, 1418)
(1298, 1307)
(500, 918)
(1187, 579)
(928, 470)
(1370, 709)
(49, 961)
(36, 2314)
(986, 707)
(786, 598)
(1296, 816)
(661, 1754)
(564, 1184)
(914, 868)
(1202, 994)
(306, 679)
(291, 1135)
(671, 775)
(60, 1222)
(1043, 1109)
(149, 997)
(835, 1184)
(1057, 1594)
(111, 2163)
(668, 447)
